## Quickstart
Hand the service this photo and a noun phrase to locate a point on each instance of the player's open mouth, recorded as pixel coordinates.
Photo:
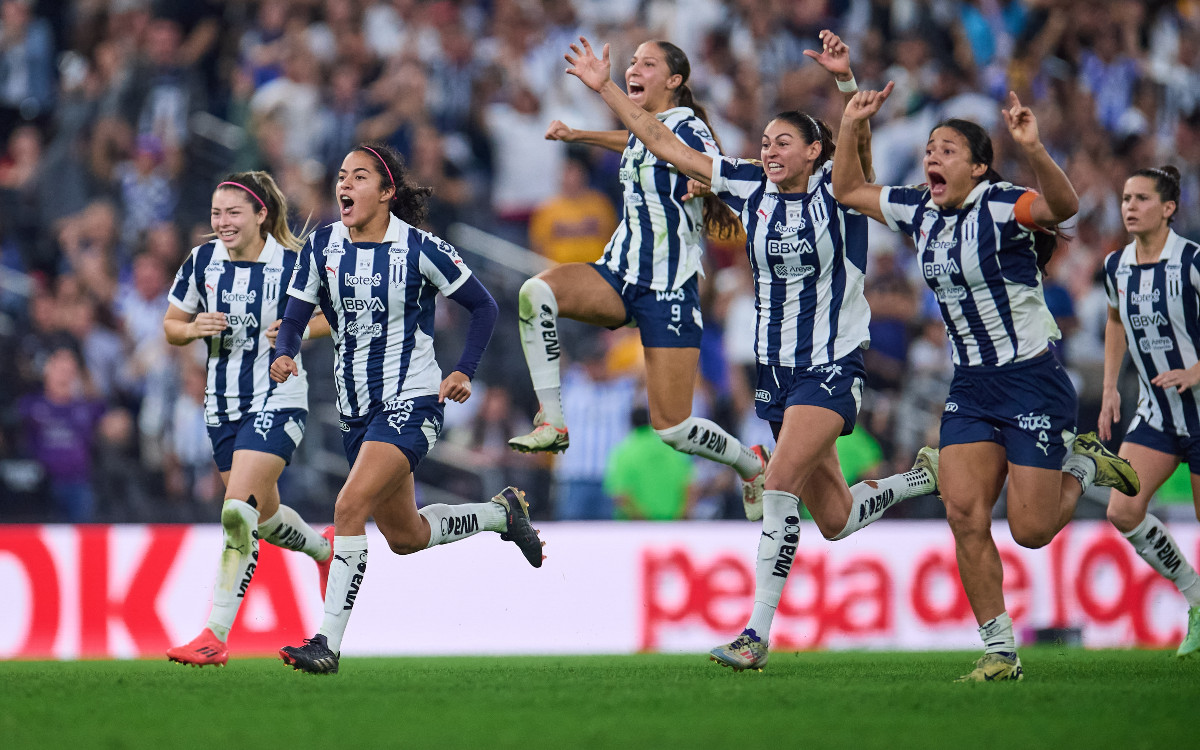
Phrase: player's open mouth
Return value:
(774, 169)
(347, 203)
(635, 88)
(937, 184)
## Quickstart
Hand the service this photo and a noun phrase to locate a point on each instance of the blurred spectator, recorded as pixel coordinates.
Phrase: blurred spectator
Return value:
(575, 225)
(59, 429)
(147, 196)
(26, 65)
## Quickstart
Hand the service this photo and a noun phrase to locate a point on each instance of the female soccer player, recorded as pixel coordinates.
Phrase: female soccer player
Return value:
(376, 277)
(1011, 408)
(808, 256)
(227, 292)
(647, 275)
(1153, 289)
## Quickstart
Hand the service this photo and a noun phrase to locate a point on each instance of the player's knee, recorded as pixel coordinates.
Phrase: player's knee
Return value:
(404, 544)
(1031, 537)
(968, 518)
(678, 437)
(350, 510)
(536, 296)
(1124, 519)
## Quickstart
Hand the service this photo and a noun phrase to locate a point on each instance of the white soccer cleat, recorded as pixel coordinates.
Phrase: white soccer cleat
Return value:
(927, 459)
(994, 668)
(752, 488)
(545, 438)
(746, 652)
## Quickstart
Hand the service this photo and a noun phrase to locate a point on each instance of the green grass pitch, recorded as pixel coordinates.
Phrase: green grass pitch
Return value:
(1070, 698)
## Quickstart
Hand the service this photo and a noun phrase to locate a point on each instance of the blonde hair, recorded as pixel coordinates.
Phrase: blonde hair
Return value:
(263, 191)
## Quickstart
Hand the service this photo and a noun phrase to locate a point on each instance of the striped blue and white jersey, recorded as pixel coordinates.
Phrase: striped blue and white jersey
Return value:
(379, 300)
(980, 261)
(1159, 304)
(808, 254)
(250, 293)
(658, 242)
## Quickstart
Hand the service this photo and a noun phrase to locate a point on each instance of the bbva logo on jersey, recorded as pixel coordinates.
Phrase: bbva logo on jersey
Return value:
(1145, 321)
(355, 305)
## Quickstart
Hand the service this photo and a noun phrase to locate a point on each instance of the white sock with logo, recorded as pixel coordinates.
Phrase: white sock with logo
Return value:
(704, 438)
(537, 320)
(776, 552)
(450, 523)
(288, 530)
(239, 558)
(997, 635)
(346, 574)
(1082, 468)
(871, 498)
(1156, 546)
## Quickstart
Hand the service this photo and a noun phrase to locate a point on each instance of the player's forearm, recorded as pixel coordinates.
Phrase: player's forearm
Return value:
(613, 140)
(1053, 184)
(1115, 347)
(179, 332)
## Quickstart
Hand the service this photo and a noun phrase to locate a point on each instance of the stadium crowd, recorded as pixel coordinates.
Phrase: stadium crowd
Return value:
(118, 116)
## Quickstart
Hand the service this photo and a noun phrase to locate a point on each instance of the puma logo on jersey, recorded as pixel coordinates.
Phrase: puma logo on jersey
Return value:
(674, 327)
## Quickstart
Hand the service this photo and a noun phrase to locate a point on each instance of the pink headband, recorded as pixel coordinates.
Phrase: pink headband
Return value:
(384, 163)
(248, 190)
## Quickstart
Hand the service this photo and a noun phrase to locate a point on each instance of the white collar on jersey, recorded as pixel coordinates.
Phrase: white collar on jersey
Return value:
(673, 111)
(973, 196)
(1171, 249)
(392, 234)
(269, 252)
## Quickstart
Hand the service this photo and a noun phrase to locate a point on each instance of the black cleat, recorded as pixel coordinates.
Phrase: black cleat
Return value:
(313, 657)
(520, 531)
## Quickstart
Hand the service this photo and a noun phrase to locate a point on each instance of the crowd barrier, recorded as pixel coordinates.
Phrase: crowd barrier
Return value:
(128, 591)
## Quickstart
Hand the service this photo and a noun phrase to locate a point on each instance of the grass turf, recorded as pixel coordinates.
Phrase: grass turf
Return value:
(1069, 699)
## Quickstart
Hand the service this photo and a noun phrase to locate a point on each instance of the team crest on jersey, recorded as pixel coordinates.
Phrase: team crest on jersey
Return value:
(397, 268)
(1174, 279)
(271, 278)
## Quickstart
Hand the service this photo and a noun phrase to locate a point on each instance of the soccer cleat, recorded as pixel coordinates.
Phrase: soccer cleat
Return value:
(927, 459)
(752, 488)
(323, 565)
(520, 530)
(545, 438)
(1111, 470)
(203, 650)
(995, 667)
(313, 657)
(746, 652)
(1191, 643)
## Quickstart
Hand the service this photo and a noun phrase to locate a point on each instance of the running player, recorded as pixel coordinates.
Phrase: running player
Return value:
(376, 277)
(808, 256)
(647, 276)
(1011, 409)
(1153, 289)
(227, 292)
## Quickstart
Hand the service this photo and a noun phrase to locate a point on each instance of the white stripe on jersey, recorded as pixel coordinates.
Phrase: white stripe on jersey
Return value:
(1159, 305)
(808, 254)
(981, 263)
(657, 244)
(239, 359)
(379, 300)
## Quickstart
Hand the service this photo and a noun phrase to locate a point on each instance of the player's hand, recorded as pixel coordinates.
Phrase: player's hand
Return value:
(1021, 122)
(283, 367)
(456, 387)
(560, 131)
(866, 103)
(1110, 413)
(273, 332)
(593, 71)
(697, 189)
(834, 55)
(1181, 380)
(208, 324)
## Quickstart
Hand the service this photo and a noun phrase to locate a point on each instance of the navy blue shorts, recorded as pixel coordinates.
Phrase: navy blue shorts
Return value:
(1028, 407)
(668, 319)
(412, 425)
(274, 432)
(1186, 449)
(837, 386)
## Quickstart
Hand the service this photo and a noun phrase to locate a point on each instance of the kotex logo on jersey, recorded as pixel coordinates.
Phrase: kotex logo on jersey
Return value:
(228, 297)
(362, 279)
(1139, 298)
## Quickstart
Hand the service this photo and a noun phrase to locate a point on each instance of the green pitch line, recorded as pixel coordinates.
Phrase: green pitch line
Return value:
(1069, 699)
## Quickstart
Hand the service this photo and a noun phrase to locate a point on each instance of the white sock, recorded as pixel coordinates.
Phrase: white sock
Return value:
(1155, 545)
(704, 438)
(346, 574)
(1082, 468)
(450, 523)
(776, 551)
(997, 635)
(537, 320)
(239, 558)
(288, 530)
(871, 501)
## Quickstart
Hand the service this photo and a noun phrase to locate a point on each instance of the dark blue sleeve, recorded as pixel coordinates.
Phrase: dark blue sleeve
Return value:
(291, 330)
(473, 296)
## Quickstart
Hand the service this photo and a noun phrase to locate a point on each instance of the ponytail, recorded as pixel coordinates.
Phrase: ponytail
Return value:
(409, 202)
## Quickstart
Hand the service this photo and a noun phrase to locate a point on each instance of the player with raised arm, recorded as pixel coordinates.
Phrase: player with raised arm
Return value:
(1153, 287)
(1011, 410)
(808, 256)
(376, 277)
(226, 293)
(647, 276)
